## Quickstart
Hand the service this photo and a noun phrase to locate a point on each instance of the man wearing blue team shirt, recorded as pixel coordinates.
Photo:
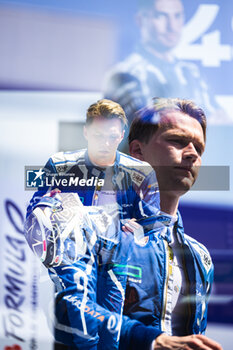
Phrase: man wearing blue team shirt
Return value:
(86, 252)
(170, 275)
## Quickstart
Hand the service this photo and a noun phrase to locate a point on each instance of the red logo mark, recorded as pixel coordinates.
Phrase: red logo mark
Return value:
(13, 347)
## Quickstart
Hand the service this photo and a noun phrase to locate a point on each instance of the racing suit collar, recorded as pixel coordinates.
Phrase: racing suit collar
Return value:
(142, 51)
(170, 223)
(167, 221)
(160, 225)
(180, 228)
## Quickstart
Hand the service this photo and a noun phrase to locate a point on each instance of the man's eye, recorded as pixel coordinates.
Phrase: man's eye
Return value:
(176, 141)
(199, 150)
(179, 15)
(158, 15)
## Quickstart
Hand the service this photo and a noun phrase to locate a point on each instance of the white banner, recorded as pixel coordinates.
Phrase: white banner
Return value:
(29, 126)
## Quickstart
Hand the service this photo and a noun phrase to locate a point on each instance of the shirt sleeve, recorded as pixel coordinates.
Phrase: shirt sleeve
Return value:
(136, 336)
(86, 269)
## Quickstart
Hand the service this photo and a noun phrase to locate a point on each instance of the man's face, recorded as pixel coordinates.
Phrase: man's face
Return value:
(175, 151)
(103, 138)
(163, 24)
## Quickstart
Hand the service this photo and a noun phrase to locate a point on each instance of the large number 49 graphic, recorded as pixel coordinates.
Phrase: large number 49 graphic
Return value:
(210, 51)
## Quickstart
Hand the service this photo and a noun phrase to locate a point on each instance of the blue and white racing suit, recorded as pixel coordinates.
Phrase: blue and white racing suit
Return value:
(147, 285)
(134, 183)
(86, 259)
(88, 268)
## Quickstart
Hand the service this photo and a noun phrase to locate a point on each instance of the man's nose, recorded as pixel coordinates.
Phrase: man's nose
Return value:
(106, 141)
(172, 23)
(190, 152)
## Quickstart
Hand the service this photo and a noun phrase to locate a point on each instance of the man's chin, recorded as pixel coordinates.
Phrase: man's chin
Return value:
(166, 45)
(104, 161)
(185, 184)
(179, 185)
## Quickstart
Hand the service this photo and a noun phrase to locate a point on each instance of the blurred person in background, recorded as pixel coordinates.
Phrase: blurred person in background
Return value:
(153, 69)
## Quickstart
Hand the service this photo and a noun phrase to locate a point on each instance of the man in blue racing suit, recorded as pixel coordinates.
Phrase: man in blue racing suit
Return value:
(122, 188)
(126, 187)
(86, 259)
(153, 70)
(169, 273)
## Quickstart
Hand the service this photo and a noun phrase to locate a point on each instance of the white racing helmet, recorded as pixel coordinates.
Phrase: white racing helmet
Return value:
(58, 230)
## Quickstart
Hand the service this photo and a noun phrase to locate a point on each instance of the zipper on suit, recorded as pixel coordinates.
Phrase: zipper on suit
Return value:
(165, 287)
(188, 288)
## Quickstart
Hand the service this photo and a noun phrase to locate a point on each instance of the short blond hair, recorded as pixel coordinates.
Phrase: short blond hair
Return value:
(107, 109)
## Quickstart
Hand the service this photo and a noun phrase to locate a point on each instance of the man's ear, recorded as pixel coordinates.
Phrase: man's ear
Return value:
(142, 20)
(85, 132)
(135, 149)
(122, 135)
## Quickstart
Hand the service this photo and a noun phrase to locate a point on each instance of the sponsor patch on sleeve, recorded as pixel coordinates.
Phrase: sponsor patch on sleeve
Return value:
(205, 258)
(137, 178)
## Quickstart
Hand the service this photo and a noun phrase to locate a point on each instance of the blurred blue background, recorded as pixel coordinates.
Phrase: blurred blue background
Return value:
(54, 56)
